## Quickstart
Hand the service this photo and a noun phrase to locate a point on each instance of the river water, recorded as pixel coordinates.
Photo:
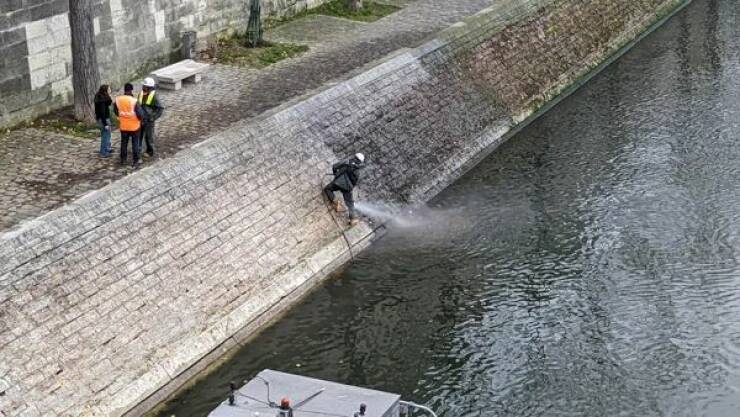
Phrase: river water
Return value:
(589, 267)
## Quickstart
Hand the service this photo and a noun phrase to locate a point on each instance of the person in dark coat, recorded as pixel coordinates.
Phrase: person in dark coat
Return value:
(153, 108)
(346, 176)
(103, 101)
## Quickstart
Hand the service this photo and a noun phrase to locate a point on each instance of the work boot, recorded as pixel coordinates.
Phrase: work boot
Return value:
(339, 207)
(354, 221)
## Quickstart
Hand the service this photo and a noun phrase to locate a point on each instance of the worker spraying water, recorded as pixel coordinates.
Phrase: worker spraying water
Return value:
(346, 176)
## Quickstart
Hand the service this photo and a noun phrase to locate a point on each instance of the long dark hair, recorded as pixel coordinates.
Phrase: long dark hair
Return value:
(102, 94)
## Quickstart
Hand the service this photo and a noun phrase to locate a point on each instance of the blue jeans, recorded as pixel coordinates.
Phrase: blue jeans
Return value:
(105, 127)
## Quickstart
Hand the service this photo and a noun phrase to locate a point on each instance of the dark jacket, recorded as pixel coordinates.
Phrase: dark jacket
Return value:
(347, 173)
(154, 111)
(102, 107)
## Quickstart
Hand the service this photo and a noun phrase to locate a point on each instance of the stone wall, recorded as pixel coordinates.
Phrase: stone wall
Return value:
(133, 36)
(107, 300)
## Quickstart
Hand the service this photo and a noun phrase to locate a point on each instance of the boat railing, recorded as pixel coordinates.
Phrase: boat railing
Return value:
(410, 407)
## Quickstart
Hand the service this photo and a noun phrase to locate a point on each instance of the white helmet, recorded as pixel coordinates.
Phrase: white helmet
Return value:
(149, 82)
(360, 157)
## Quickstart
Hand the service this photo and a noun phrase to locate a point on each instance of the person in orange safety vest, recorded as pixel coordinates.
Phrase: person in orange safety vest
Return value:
(129, 113)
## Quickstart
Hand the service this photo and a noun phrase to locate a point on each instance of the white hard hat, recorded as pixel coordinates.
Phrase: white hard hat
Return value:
(149, 82)
(360, 157)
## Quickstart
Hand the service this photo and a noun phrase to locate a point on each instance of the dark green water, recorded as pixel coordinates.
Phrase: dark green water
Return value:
(589, 267)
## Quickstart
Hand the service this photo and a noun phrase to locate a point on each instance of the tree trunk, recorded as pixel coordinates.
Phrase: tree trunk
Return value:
(85, 73)
(354, 5)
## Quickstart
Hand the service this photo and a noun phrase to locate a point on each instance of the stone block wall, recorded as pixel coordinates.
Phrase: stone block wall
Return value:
(132, 36)
(34, 56)
(108, 299)
(425, 115)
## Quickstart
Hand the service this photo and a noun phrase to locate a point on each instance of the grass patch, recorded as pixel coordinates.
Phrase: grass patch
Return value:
(63, 121)
(233, 51)
(370, 12)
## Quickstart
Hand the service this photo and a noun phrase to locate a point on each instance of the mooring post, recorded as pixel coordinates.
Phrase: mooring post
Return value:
(254, 27)
(187, 48)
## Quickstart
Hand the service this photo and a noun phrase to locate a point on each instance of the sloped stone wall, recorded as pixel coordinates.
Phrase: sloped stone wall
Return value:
(107, 300)
(424, 115)
(132, 36)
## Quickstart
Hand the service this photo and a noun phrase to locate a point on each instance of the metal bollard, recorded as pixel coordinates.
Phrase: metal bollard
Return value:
(254, 26)
(189, 40)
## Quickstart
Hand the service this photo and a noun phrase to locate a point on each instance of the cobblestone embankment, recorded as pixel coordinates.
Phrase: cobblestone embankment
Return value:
(108, 299)
(131, 36)
(45, 170)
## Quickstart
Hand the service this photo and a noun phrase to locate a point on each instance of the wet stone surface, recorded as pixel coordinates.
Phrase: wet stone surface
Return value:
(42, 170)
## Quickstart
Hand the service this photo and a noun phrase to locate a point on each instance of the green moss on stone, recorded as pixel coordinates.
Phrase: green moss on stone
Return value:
(62, 121)
(233, 50)
(370, 12)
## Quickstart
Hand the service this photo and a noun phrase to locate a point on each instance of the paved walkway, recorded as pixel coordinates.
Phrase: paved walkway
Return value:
(41, 170)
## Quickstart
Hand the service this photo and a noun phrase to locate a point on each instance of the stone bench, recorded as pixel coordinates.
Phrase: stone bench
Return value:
(172, 76)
